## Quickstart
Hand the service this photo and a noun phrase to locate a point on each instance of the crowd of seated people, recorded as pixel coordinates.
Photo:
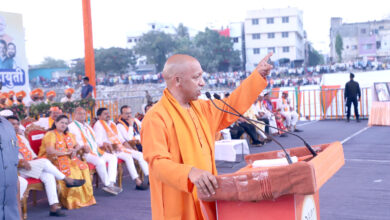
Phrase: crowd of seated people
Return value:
(70, 149)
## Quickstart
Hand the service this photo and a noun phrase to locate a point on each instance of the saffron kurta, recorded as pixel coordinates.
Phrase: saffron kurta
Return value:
(71, 198)
(176, 139)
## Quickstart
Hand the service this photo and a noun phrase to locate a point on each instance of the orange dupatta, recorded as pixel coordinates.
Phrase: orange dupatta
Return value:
(64, 142)
(190, 152)
(112, 134)
(27, 155)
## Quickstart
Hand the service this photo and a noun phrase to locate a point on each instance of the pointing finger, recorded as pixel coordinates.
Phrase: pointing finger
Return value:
(266, 58)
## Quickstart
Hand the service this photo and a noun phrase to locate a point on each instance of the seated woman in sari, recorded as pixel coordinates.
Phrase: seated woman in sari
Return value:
(61, 147)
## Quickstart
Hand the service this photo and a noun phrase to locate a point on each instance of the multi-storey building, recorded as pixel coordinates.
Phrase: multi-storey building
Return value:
(277, 30)
(364, 40)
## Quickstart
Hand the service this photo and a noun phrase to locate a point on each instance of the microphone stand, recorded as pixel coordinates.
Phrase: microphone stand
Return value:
(312, 151)
(288, 157)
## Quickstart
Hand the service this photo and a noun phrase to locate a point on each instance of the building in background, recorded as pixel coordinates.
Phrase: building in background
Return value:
(361, 41)
(277, 30)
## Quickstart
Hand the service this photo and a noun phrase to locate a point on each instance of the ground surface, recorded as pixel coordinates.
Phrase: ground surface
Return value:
(360, 190)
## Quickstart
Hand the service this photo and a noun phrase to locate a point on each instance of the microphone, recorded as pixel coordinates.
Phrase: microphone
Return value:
(216, 96)
(288, 157)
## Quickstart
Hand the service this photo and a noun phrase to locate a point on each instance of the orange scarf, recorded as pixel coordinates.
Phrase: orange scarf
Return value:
(127, 127)
(86, 142)
(191, 152)
(112, 134)
(63, 143)
(27, 155)
(51, 121)
(285, 104)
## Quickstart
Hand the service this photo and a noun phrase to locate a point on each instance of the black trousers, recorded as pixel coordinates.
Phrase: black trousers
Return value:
(266, 122)
(355, 107)
(239, 128)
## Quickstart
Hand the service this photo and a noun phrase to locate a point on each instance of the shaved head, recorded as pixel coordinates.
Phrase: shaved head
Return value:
(183, 76)
(177, 65)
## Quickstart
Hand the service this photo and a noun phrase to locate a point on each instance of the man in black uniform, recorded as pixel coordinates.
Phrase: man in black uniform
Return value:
(352, 95)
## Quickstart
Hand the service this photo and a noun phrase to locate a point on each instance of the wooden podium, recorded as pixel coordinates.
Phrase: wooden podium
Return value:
(278, 193)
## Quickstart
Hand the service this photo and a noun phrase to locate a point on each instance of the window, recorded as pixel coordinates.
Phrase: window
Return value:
(284, 34)
(271, 49)
(347, 47)
(255, 21)
(135, 39)
(130, 40)
(363, 31)
(271, 35)
(255, 36)
(235, 39)
(270, 20)
(376, 31)
(368, 46)
(256, 50)
(354, 47)
(378, 45)
(286, 49)
(284, 19)
(381, 27)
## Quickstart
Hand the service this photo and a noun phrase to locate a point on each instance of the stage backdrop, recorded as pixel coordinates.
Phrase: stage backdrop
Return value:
(13, 61)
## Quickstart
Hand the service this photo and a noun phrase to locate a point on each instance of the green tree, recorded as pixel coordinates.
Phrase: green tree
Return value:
(114, 60)
(49, 62)
(184, 45)
(315, 58)
(339, 46)
(215, 52)
(79, 67)
(156, 46)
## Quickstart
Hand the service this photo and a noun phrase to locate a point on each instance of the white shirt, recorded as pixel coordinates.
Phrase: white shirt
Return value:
(27, 144)
(66, 99)
(129, 135)
(43, 122)
(101, 135)
(88, 132)
(282, 106)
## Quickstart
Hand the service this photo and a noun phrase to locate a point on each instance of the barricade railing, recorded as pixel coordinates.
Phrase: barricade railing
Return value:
(325, 103)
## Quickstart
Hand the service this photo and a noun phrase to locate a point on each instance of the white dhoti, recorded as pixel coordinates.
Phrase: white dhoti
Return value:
(128, 158)
(291, 118)
(22, 186)
(107, 175)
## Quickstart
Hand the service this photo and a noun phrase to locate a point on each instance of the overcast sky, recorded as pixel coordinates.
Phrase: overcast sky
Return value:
(54, 27)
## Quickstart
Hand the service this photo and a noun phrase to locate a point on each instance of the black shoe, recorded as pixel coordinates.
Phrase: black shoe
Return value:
(76, 183)
(57, 213)
(143, 186)
(297, 130)
(257, 143)
(283, 135)
(267, 140)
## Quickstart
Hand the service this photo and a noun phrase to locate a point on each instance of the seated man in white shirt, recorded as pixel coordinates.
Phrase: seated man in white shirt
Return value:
(285, 108)
(41, 168)
(266, 116)
(47, 122)
(68, 95)
(129, 127)
(108, 136)
(86, 137)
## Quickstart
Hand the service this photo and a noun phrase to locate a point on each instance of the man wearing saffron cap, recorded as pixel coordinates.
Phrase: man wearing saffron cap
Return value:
(178, 136)
(19, 97)
(50, 95)
(47, 122)
(35, 97)
(10, 100)
(68, 95)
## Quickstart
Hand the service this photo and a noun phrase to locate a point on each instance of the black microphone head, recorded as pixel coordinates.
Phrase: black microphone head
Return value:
(208, 95)
(216, 96)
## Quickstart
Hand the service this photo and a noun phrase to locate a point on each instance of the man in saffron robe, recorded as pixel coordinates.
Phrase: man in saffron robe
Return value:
(178, 135)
